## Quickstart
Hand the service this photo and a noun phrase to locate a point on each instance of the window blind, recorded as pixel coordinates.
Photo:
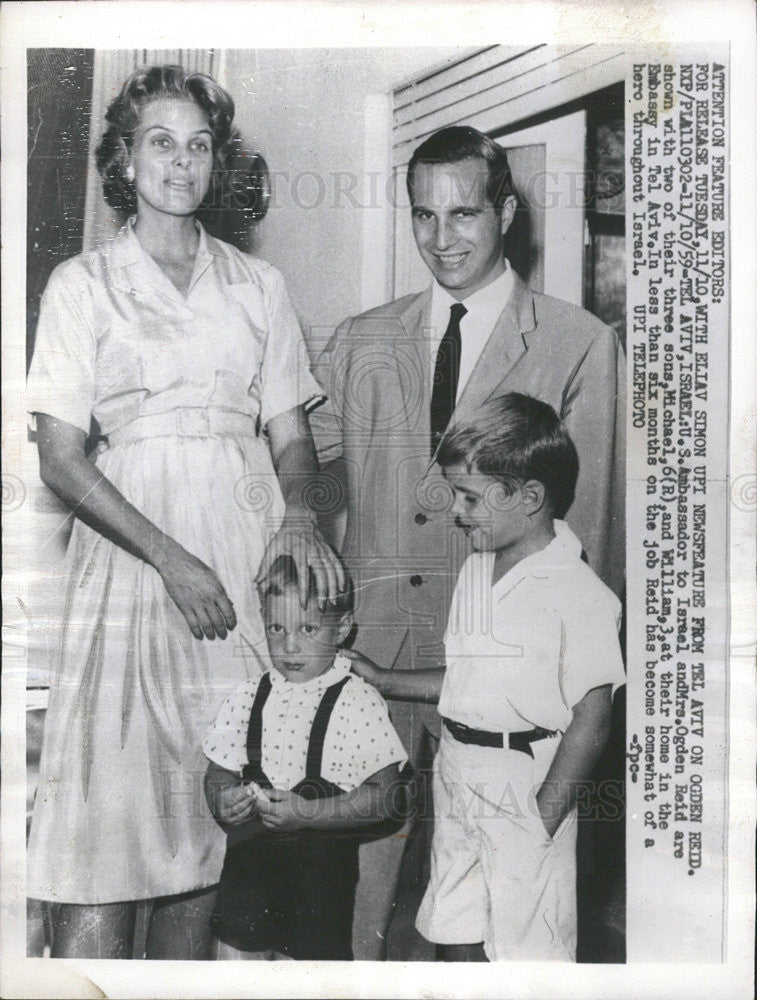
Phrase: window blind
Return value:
(495, 87)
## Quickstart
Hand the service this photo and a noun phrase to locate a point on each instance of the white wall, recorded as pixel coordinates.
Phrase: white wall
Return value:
(322, 120)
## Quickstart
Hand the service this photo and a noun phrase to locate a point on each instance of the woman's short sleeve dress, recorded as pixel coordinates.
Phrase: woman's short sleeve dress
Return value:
(182, 388)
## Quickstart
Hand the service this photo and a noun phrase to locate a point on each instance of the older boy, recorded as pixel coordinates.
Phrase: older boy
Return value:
(532, 657)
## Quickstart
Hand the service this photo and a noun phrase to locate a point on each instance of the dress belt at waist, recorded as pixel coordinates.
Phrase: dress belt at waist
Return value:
(482, 738)
(188, 421)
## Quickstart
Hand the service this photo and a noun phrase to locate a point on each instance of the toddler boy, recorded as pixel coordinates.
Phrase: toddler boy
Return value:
(300, 760)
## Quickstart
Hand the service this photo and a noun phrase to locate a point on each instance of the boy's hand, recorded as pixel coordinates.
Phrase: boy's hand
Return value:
(576, 757)
(550, 817)
(363, 666)
(409, 685)
(234, 804)
(285, 811)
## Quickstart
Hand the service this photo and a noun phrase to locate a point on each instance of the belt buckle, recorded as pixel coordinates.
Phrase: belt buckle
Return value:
(193, 422)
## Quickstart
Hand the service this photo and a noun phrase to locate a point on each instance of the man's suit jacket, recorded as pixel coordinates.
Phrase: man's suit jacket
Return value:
(400, 544)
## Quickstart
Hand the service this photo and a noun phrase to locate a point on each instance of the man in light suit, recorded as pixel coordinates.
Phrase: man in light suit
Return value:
(379, 371)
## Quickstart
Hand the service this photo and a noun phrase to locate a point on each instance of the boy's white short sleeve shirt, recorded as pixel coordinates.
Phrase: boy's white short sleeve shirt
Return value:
(360, 739)
(523, 652)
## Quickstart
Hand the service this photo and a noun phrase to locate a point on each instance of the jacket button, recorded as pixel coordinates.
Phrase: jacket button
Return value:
(416, 580)
(420, 519)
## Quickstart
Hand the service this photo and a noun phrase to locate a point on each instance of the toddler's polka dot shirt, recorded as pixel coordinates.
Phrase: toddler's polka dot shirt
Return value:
(360, 739)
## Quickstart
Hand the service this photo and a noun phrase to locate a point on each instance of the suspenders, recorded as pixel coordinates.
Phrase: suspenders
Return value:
(319, 727)
(253, 771)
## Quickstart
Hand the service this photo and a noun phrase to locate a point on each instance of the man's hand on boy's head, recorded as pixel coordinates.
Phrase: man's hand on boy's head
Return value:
(285, 811)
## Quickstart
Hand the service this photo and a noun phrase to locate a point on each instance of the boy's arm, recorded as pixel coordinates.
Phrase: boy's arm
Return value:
(371, 802)
(409, 685)
(228, 798)
(576, 756)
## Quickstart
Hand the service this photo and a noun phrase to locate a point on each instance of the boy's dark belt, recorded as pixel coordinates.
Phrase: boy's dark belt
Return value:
(481, 738)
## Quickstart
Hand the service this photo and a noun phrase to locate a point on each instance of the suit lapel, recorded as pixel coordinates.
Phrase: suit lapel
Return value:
(415, 318)
(506, 345)
(414, 321)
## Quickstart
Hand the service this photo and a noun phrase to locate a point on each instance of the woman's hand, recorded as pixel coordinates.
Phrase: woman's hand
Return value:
(296, 464)
(300, 538)
(198, 594)
(284, 811)
(193, 586)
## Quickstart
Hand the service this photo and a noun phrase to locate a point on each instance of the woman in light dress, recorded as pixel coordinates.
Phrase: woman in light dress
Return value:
(188, 354)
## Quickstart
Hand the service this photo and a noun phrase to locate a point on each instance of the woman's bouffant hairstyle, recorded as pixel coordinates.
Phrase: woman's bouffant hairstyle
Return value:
(151, 83)
(462, 142)
(516, 437)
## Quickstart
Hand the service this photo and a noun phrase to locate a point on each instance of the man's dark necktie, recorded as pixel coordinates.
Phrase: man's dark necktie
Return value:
(446, 375)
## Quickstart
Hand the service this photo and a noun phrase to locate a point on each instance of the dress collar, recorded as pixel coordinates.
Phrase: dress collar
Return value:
(132, 267)
(124, 248)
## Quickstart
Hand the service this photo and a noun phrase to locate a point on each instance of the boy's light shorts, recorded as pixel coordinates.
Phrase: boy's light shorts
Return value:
(496, 876)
